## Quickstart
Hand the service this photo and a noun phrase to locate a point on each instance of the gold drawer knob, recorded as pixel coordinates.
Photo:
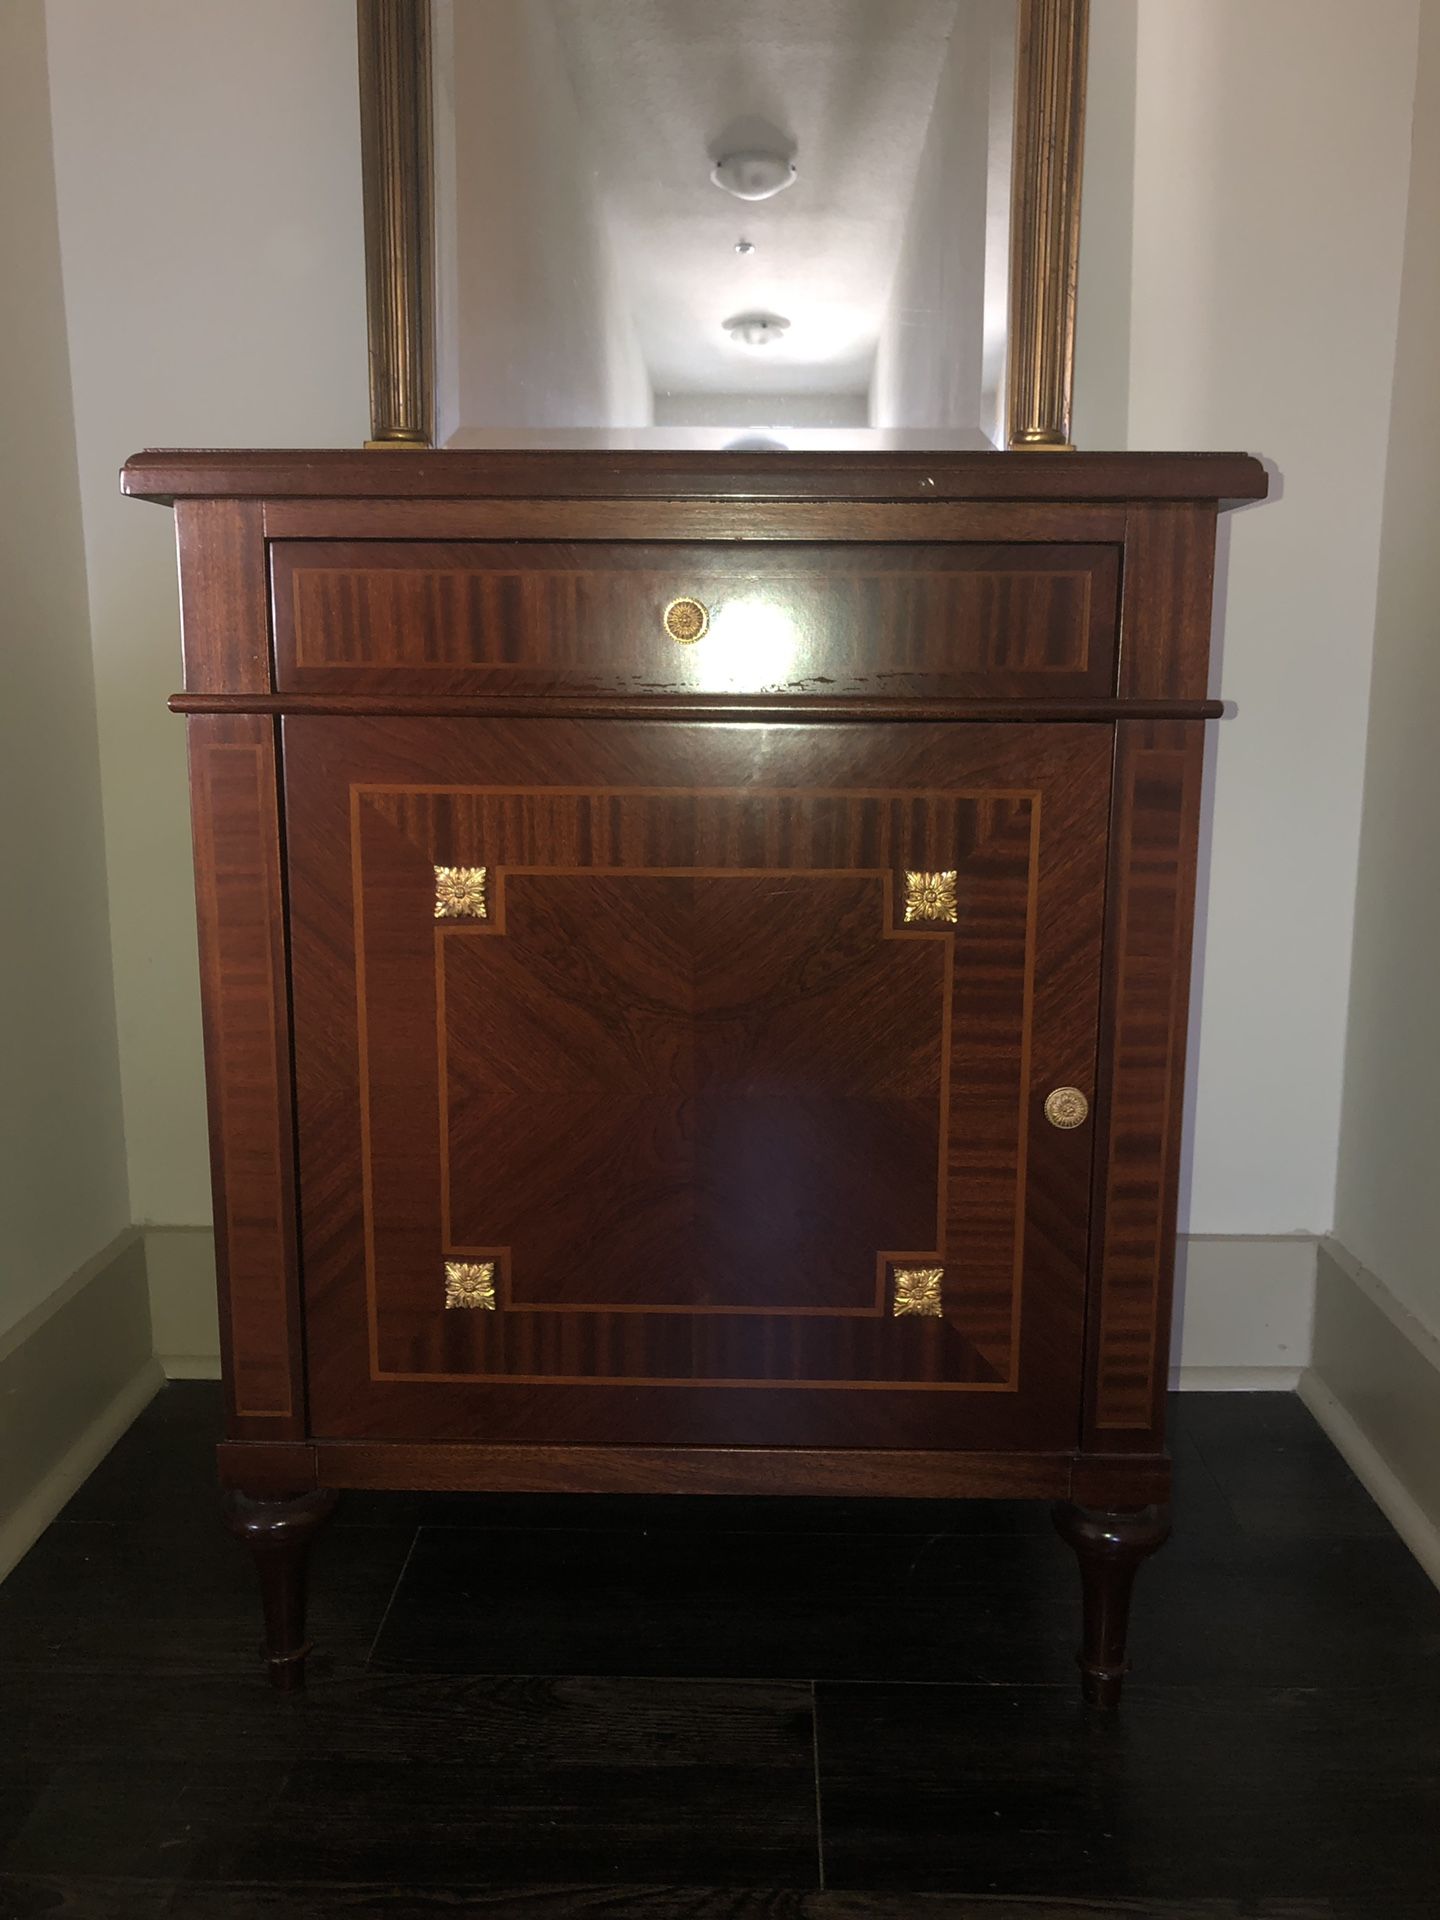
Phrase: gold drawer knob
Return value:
(687, 620)
(1066, 1107)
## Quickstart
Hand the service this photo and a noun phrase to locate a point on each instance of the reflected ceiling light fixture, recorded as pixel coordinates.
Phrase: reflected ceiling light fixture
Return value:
(744, 246)
(754, 176)
(756, 329)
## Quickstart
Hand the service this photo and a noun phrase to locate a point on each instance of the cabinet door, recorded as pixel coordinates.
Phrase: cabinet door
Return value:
(683, 1083)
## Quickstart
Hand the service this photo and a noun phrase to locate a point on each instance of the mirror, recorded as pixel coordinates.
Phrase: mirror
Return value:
(768, 223)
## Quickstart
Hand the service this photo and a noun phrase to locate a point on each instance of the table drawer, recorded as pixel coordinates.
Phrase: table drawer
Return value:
(962, 621)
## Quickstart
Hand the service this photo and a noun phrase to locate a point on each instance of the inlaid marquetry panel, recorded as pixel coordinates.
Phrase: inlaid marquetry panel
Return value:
(476, 617)
(696, 1091)
(742, 1123)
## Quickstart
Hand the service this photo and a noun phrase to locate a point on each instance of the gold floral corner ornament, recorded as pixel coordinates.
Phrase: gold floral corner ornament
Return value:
(917, 1290)
(460, 893)
(931, 896)
(470, 1283)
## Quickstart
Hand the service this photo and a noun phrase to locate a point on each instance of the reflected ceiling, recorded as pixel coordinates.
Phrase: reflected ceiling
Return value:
(663, 88)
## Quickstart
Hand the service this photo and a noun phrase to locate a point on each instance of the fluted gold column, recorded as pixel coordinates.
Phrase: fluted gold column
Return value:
(1045, 219)
(395, 151)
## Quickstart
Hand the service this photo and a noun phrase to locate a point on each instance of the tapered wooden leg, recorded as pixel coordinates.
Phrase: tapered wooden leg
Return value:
(1110, 1547)
(278, 1533)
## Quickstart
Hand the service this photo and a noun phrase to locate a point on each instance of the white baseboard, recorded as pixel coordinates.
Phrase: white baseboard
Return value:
(73, 1375)
(1244, 1312)
(180, 1262)
(1236, 1379)
(190, 1366)
(24, 1524)
(1374, 1386)
(1417, 1528)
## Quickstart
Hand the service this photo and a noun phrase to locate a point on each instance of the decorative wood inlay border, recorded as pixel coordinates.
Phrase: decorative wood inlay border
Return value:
(497, 518)
(1005, 1379)
(448, 615)
(1157, 796)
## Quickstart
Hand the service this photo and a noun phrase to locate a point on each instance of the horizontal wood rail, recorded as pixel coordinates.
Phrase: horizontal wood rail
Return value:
(757, 707)
(596, 473)
(465, 1466)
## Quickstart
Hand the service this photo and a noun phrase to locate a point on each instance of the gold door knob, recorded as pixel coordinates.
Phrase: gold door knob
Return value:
(687, 620)
(1066, 1107)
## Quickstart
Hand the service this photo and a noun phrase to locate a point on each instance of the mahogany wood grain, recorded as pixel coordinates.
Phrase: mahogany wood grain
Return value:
(1121, 1479)
(1167, 606)
(904, 620)
(731, 520)
(1110, 1547)
(224, 597)
(726, 980)
(239, 899)
(167, 475)
(265, 1468)
(1153, 838)
(279, 1533)
(1019, 817)
(793, 1472)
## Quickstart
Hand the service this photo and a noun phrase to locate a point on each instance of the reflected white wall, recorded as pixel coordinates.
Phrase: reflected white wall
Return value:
(762, 410)
(537, 331)
(940, 358)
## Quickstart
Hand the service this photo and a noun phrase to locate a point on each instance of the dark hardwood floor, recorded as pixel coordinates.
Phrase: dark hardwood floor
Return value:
(694, 1710)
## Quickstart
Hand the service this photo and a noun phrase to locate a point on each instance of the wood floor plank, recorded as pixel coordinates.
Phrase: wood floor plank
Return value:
(1191, 1792)
(25, 1896)
(444, 1778)
(887, 1606)
(1277, 1469)
(603, 1709)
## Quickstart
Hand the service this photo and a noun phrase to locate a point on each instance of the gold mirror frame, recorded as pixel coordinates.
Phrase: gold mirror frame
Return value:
(396, 160)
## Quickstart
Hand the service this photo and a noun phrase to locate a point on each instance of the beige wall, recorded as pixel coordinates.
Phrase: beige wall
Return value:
(1388, 1200)
(62, 1150)
(1271, 158)
(207, 166)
